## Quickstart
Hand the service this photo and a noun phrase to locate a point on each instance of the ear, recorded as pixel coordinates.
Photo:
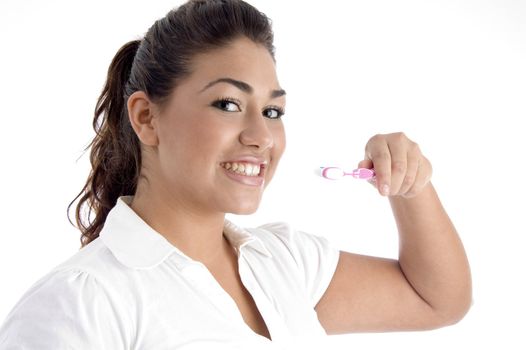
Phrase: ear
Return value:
(141, 114)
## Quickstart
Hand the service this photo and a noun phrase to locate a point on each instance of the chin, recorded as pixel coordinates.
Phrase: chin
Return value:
(245, 210)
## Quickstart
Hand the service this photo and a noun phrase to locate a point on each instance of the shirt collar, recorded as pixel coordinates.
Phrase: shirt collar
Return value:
(137, 245)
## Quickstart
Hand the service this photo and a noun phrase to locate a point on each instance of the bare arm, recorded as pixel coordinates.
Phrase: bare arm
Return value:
(430, 284)
(432, 257)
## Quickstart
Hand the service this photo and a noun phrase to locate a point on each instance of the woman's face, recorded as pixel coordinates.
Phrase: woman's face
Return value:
(226, 110)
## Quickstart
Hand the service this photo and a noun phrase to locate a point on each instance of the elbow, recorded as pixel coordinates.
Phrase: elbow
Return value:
(455, 312)
(455, 305)
(455, 316)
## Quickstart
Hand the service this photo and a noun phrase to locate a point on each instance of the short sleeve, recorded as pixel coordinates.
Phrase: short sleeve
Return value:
(314, 256)
(66, 309)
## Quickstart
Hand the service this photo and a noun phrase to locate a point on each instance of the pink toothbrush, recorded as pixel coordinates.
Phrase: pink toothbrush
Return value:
(335, 173)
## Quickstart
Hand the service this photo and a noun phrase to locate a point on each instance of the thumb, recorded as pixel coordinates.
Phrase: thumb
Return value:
(366, 163)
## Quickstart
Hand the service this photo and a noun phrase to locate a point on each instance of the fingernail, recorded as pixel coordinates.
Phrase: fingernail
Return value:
(385, 190)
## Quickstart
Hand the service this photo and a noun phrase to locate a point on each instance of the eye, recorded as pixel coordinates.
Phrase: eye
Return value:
(274, 112)
(227, 104)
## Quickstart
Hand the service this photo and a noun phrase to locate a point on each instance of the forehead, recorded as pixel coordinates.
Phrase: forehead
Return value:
(242, 59)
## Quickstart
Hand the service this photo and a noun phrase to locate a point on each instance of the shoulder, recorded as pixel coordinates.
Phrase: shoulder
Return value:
(275, 233)
(90, 273)
(278, 232)
(96, 261)
(73, 301)
(278, 237)
(281, 235)
(90, 276)
(95, 269)
(312, 256)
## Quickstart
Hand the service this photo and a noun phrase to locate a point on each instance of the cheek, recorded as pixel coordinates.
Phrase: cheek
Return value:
(200, 142)
(280, 141)
(278, 149)
(208, 136)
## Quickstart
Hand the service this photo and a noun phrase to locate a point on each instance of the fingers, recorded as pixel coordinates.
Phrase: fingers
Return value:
(412, 168)
(401, 169)
(423, 176)
(378, 152)
(399, 165)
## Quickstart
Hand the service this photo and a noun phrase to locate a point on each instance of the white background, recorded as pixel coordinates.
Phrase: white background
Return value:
(451, 74)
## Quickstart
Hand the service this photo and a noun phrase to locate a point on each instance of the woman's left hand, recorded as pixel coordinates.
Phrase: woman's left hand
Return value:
(400, 167)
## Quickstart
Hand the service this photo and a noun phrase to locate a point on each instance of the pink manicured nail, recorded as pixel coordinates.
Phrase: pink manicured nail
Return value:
(385, 190)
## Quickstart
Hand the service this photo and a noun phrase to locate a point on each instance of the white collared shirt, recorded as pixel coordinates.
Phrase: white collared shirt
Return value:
(132, 289)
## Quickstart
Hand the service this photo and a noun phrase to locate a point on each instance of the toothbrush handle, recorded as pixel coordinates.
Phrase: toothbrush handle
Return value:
(362, 173)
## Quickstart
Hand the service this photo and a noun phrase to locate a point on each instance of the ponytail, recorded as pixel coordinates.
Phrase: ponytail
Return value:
(115, 151)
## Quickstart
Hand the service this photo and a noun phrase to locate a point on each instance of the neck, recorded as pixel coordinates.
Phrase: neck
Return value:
(198, 235)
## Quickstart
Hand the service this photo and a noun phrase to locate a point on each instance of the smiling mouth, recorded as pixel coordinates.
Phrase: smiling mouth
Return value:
(245, 168)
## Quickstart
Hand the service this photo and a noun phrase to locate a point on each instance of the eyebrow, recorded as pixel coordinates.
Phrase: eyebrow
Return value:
(241, 85)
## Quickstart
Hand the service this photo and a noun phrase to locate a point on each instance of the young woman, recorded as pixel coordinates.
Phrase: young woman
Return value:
(188, 128)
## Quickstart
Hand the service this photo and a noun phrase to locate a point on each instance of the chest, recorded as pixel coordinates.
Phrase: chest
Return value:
(191, 305)
(233, 286)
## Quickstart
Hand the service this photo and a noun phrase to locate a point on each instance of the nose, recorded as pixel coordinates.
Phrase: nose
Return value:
(256, 132)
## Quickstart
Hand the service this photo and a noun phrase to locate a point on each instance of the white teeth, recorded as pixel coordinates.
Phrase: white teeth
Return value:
(243, 168)
(248, 169)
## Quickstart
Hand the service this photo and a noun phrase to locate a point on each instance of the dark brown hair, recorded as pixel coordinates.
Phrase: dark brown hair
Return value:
(154, 65)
